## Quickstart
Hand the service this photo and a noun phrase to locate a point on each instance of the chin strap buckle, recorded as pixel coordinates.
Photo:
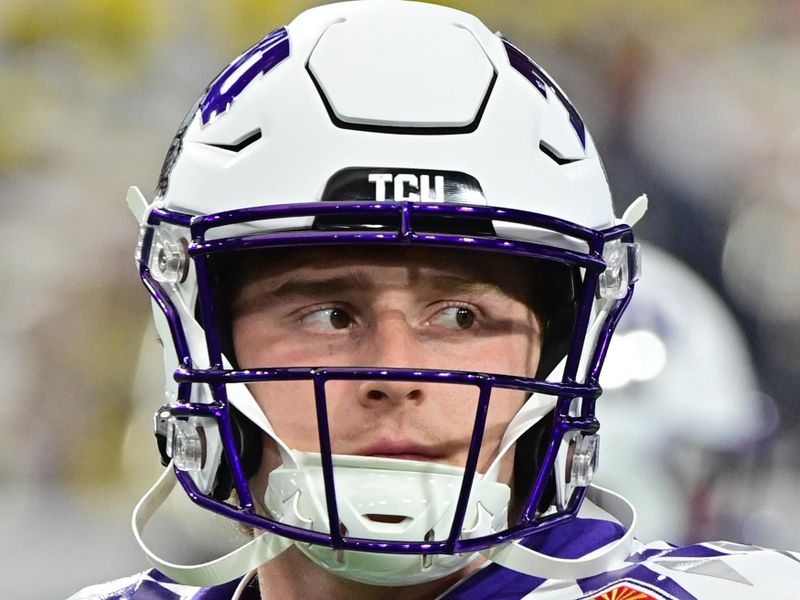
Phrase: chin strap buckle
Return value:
(585, 457)
(179, 441)
(623, 267)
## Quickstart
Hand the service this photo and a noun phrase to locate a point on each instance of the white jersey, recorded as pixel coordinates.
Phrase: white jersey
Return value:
(656, 571)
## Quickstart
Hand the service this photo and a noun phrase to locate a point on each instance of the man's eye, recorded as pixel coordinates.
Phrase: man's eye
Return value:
(328, 318)
(455, 317)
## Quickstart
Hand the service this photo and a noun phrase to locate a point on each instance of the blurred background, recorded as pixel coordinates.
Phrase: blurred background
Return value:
(694, 103)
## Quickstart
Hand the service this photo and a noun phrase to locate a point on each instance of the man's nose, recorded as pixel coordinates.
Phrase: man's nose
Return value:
(392, 344)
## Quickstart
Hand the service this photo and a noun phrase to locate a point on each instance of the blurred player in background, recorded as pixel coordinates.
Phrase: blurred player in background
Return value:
(678, 359)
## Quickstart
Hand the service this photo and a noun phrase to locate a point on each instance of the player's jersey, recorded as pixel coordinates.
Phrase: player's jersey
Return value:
(657, 571)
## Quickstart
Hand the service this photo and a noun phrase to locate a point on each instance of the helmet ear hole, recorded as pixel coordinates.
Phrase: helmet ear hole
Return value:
(247, 437)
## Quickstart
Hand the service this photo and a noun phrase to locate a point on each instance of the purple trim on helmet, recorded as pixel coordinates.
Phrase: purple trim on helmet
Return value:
(205, 300)
(173, 320)
(405, 212)
(338, 238)
(522, 63)
(510, 382)
(258, 60)
(232, 458)
(486, 382)
(533, 73)
(219, 391)
(604, 339)
(471, 465)
(581, 326)
(407, 215)
(326, 457)
(536, 494)
(157, 215)
(601, 349)
(202, 223)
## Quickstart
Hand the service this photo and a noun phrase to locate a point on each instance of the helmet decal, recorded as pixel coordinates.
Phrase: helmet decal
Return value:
(392, 184)
(173, 152)
(534, 73)
(221, 93)
(258, 60)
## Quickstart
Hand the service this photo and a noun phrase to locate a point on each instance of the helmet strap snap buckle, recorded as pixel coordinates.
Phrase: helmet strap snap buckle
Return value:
(187, 444)
(623, 267)
(583, 459)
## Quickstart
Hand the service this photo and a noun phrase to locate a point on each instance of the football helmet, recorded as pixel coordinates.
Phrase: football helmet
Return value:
(378, 124)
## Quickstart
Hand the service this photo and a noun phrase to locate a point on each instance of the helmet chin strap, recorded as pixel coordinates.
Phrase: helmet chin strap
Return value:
(244, 559)
(513, 555)
(267, 546)
(391, 500)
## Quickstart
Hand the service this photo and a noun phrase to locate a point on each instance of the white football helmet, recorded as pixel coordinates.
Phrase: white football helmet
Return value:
(386, 123)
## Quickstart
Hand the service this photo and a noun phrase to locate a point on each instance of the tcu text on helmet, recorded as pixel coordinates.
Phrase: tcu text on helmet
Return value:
(408, 186)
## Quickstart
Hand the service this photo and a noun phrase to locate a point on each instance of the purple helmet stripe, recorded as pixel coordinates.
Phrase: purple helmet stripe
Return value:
(258, 60)
(533, 73)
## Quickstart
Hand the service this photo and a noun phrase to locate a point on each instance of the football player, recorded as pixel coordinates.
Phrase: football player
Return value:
(385, 267)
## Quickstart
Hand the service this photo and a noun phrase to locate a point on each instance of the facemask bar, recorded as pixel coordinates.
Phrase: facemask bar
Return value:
(320, 376)
(216, 377)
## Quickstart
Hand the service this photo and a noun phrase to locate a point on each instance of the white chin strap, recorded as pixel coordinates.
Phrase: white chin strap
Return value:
(513, 555)
(390, 500)
(267, 546)
(244, 559)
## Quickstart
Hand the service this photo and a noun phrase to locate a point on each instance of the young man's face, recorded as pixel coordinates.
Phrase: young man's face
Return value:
(388, 307)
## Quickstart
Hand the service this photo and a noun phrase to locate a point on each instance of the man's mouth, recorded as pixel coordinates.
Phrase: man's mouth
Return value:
(402, 450)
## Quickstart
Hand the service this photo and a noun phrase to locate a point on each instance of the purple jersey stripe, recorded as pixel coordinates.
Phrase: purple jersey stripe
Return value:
(573, 539)
(157, 575)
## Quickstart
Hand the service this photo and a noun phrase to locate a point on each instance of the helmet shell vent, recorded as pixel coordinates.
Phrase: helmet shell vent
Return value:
(427, 74)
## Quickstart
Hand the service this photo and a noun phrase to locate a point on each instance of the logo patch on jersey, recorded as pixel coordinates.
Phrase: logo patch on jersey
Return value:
(624, 592)
(379, 184)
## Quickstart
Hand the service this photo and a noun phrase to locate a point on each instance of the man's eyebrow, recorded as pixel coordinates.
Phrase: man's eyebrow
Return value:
(463, 284)
(319, 286)
(303, 287)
